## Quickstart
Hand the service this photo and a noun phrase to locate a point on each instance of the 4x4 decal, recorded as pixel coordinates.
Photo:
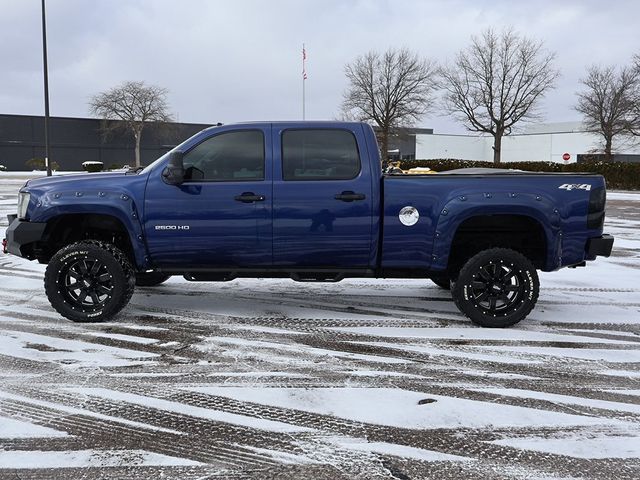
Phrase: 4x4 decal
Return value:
(575, 186)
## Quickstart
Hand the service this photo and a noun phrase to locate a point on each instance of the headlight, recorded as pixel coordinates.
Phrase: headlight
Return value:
(23, 203)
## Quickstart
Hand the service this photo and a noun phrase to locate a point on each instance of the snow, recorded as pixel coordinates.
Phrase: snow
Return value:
(263, 329)
(635, 393)
(403, 451)
(87, 458)
(11, 428)
(472, 333)
(43, 348)
(440, 352)
(215, 342)
(81, 411)
(629, 196)
(319, 377)
(257, 374)
(283, 457)
(124, 338)
(595, 354)
(399, 408)
(564, 399)
(193, 411)
(620, 373)
(602, 447)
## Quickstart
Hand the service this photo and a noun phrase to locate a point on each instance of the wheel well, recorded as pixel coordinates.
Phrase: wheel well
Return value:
(67, 229)
(517, 232)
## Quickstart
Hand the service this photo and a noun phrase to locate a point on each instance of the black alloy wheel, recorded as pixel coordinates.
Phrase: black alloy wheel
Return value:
(497, 288)
(87, 284)
(89, 281)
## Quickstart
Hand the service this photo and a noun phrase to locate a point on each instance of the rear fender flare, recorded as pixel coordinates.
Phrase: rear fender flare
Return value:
(540, 208)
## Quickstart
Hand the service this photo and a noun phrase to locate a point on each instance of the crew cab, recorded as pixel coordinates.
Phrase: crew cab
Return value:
(309, 201)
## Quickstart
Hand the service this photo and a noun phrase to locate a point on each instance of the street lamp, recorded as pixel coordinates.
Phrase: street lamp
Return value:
(47, 158)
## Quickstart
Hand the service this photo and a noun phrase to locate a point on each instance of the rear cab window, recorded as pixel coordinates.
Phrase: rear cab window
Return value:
(319, 154)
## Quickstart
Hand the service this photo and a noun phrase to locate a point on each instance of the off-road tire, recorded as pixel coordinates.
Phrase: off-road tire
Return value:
(151, 279)
(499, 299)
(117, 273)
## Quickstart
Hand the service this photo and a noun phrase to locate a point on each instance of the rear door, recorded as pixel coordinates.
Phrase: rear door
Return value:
(322, 197)
(221, 215)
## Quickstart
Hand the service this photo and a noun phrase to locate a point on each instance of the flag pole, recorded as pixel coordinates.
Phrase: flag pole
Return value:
(304, 78)
(47, 154)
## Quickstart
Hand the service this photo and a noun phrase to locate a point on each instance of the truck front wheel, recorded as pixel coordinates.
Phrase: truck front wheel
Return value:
(89, 281)
(497, 288)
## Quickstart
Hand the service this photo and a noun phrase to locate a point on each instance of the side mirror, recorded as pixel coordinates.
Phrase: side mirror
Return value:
(173, 174)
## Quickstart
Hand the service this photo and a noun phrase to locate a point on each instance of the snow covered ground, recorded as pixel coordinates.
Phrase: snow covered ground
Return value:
(362, 379)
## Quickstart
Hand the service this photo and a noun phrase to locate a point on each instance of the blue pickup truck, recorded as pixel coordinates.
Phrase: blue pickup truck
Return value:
(309, 201)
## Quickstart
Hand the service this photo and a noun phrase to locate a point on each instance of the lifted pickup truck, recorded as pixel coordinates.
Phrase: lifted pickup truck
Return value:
(305, 200)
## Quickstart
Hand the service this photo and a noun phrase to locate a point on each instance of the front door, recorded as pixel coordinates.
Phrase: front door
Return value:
(322, 205)
(221, 215)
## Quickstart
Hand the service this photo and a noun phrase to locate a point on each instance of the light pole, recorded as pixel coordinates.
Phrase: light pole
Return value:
(47, 157)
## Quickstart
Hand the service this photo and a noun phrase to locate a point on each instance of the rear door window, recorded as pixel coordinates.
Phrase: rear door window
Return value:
(319, 154)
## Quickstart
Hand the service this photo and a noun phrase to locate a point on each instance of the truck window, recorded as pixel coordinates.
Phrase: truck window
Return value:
(320, 154)
(227, 157)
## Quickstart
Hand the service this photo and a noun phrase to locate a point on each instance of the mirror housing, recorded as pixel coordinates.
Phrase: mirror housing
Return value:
(173, 174)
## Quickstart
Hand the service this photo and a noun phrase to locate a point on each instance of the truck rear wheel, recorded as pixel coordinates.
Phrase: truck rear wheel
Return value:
(497, 288)
(89, 281)
(151, 279)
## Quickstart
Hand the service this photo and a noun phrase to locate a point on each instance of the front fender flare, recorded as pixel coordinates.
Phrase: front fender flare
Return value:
(119, 205)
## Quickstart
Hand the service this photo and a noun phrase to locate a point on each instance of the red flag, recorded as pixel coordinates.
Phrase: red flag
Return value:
(304, 58)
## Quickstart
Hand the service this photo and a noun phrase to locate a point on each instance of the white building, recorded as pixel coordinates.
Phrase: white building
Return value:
(542, 142)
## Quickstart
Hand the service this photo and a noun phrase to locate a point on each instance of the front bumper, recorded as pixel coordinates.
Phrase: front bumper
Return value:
(599, 246)
(21, 234)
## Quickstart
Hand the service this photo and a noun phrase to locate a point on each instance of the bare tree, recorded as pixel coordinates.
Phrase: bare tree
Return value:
(392, 90)
(635, 125)
(609, 103)
(131, 105)
(497, 82)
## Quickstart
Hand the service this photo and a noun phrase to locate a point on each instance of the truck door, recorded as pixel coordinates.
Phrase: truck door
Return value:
(322, 203)
(221, 215)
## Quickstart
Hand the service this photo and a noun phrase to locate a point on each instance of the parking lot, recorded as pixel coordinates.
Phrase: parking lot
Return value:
(360, 379)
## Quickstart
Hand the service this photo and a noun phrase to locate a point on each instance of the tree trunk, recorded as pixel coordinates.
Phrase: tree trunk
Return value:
(608, 141)
(497, 147)
(384, 147)
(138, 136)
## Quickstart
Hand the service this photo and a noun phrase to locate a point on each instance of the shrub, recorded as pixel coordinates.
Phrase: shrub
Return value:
(92, 167)
(36, 164)
(619, 175)
(39, 164)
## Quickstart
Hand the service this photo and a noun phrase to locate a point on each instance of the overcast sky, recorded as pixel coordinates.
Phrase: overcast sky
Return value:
(226, 61)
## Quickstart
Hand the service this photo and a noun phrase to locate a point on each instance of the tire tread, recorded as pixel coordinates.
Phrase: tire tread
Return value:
(50, 284)
(458, 297)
